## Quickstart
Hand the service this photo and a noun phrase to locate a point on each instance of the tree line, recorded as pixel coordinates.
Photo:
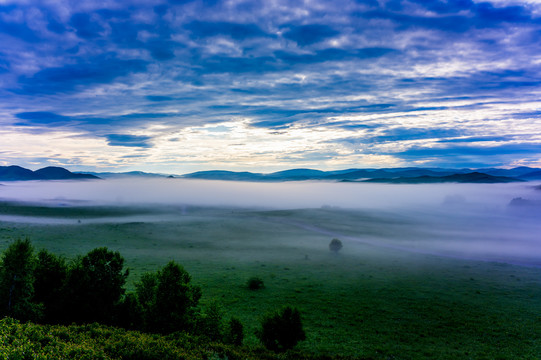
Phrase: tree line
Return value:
(45, 288)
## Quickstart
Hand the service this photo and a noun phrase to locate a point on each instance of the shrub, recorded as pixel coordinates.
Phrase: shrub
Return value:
(209, 323)
(335, 245)
(255, 283)
(281, 331)
(234, 333)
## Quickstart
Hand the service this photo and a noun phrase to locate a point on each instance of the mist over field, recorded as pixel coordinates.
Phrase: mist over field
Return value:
(287, 195)
(476, 221)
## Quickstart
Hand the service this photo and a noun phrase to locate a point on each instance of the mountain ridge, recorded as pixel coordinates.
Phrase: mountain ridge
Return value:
(409, 175)
(18, 173)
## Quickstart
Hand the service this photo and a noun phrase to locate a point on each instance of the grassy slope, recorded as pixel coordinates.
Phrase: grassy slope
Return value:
(366, 301)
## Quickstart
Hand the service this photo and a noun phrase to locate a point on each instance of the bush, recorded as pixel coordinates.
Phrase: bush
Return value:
(335, 245)
(281, 331)
(255, 283)
(209, 323)
(234, 333)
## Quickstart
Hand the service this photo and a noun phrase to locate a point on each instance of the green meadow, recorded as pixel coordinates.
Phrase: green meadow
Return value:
(370, 300)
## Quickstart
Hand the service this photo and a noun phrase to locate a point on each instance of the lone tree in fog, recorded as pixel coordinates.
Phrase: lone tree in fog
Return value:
(335, 245)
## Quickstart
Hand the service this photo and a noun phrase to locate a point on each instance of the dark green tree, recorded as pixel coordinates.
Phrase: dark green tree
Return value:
(281, 331)
(94, 286)
(255, 283)
(335, 245)
(234, 332)
(49, 277)
(17, 282)
(168, 299)
(210, 322)
(129, 313)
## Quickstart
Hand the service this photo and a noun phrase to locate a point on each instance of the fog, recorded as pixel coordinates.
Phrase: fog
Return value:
(474, 221)
(286, 195)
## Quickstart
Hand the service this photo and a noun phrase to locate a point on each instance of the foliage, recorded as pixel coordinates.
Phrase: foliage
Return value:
(210, 322)
(234, 332)
(281, 331)
(129, 313)
(94, 286)
(335, 245)
(98, 342)
(50, 275)
(255, 283)
(168, 299)
(17, 281)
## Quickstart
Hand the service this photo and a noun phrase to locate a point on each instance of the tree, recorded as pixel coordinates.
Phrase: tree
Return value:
(281, 331)
(129, 313)
(255, 283)
(335, 245)
(210, 322)
(234, 332)
(50, 275)
(17, 282)
(168, 299)
(95, 285)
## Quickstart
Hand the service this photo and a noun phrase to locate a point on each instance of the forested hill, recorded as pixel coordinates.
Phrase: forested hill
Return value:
(17, 173)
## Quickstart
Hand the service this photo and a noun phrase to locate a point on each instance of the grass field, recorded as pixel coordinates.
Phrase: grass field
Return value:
(381, 297)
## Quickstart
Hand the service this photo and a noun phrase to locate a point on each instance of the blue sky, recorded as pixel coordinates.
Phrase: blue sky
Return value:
(178, 86)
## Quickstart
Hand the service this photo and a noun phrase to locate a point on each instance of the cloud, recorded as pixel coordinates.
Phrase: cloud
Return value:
(42, 118)
(85, 26)
(378, 74)
(204, 29)
(401, 134)
(99, 70)
(128, 140)
(309, 34)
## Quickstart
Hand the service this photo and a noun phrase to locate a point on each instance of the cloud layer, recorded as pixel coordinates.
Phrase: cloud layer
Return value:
(179, 86)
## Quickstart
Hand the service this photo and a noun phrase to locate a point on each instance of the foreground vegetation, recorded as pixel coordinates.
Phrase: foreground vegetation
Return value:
(99, 342)
(364, 301)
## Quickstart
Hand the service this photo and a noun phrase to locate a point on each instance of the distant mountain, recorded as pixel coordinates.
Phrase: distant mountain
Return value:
(298, 174)
(129, 174)
(392, 175)
(17, 173)
(472, 178)
(11, 173)
(225, 175)
(406, 175)
(518, 172)
(533, 175)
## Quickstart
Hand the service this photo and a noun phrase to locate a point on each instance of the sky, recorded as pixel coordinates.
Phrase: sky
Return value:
(185, 85)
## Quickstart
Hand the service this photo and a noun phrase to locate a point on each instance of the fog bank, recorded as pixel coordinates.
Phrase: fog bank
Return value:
(473, 221)
(287, 195)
